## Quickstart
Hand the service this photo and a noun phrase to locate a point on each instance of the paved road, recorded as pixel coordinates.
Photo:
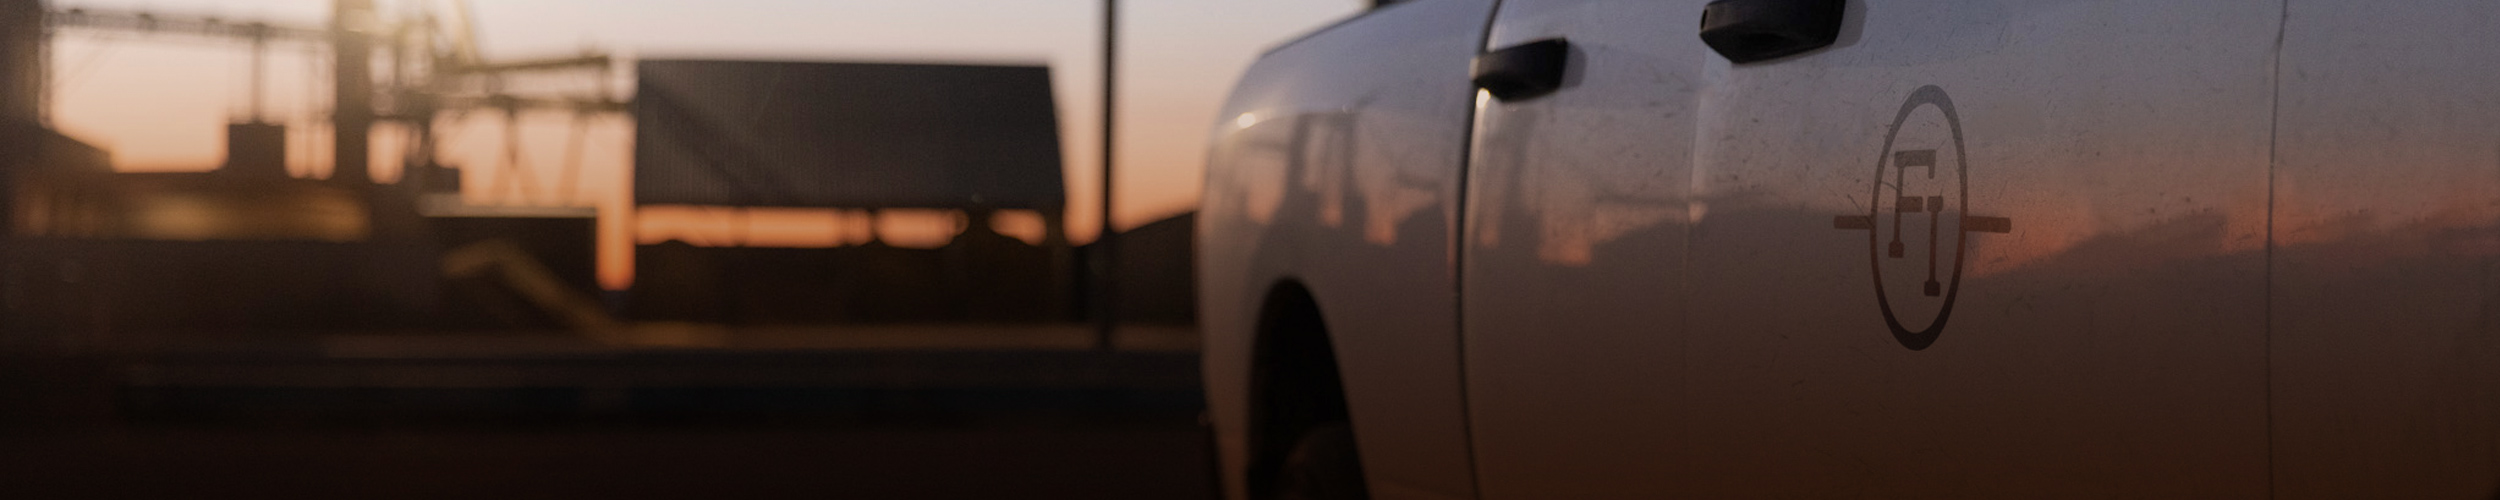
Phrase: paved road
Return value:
(328, 418)
(1145, 461)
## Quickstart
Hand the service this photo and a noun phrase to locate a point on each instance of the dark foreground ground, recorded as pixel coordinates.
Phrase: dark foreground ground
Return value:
(1132, 461)
(944, 415)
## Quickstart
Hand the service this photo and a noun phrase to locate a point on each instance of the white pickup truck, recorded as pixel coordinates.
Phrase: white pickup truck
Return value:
(1575, 249)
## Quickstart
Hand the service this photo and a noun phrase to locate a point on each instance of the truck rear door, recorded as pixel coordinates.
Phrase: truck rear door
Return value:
(1973, 249)
(2387, 252)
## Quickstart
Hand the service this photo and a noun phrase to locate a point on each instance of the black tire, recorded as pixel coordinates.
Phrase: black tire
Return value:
(1323, 466)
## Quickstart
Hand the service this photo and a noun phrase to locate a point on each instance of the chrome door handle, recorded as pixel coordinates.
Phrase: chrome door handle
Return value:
(1524, 71)
(1760, 30)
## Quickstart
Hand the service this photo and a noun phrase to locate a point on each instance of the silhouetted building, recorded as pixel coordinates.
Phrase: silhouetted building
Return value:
(860, 136)
(1158, 271)
(846, 135)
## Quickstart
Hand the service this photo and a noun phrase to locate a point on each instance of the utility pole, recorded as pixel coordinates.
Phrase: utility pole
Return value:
(1106, 291)
(352, 120)
(260, 65)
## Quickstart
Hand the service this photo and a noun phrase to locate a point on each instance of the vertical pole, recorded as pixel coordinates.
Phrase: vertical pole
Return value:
(23, 64)
(1106, 310)
(260, 52)
(352, 119)
(22, 38)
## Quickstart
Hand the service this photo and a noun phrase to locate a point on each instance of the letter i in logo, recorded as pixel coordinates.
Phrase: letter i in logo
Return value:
(1905, 204)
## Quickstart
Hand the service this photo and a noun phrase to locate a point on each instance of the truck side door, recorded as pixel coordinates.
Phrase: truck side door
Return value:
(1573, 259)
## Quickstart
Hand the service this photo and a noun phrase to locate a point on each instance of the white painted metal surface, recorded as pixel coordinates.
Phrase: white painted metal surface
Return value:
(2228, 249)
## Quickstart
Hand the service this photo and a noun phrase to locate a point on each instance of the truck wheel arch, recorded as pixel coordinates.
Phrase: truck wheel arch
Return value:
(1295, 383)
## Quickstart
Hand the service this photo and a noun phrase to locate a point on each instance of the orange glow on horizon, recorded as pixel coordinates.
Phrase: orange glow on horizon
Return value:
(159, 103)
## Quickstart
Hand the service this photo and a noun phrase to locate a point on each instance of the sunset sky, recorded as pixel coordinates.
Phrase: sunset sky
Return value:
(159, 103)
